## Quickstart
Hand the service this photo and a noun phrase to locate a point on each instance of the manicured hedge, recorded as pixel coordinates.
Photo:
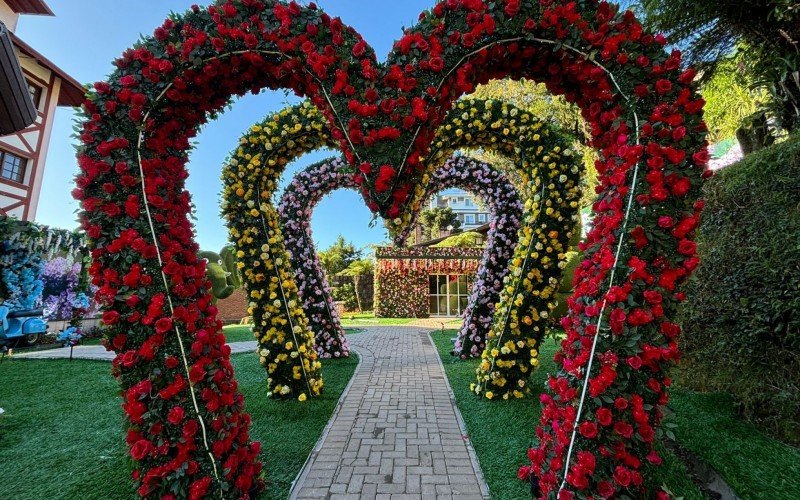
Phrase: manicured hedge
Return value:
(742, 316)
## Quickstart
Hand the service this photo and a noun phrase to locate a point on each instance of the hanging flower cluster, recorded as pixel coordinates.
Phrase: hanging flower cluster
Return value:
(401, 276)
(136, 132)
(24, 246)
(297, 204)
(64, 291)
(500, 197)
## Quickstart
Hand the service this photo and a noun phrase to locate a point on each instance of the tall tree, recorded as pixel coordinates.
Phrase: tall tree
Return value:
(436, 220)
(357, 270)
(338, 256)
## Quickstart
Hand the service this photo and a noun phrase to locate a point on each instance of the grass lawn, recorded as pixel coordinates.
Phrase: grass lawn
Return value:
(369, 319)
(754, 465)
(61, 436)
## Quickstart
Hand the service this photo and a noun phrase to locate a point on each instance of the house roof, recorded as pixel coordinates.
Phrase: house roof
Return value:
(72, 93)
(484, 229)
(30, 7)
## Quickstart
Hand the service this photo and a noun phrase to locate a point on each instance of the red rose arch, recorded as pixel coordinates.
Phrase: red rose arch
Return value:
(187, 431)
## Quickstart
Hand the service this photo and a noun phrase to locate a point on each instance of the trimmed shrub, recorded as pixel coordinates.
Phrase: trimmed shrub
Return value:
(742, 316)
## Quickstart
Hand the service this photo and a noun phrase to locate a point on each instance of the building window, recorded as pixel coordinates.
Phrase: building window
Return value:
(448, 294)
(469, 219)
(481, 217)
(13, 166)
(36, 94)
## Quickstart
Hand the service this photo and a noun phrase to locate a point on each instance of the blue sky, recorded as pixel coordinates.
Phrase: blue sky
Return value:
(86, 35)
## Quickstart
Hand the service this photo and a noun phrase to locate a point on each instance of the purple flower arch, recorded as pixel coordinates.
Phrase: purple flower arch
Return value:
(481, 179)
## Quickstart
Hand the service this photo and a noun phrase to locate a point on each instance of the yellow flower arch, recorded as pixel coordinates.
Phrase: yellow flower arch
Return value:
(548, 177)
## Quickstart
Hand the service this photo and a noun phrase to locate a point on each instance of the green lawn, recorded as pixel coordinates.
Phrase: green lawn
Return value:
(754, 465)
(369, 319)
(61, 436)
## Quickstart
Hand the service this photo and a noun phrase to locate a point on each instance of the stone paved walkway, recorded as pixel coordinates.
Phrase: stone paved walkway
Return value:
(396, 434)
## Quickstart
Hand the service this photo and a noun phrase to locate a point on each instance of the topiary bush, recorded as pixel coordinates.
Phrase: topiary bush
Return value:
(742, 316)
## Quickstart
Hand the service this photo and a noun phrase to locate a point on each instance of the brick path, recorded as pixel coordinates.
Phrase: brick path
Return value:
(396, 434)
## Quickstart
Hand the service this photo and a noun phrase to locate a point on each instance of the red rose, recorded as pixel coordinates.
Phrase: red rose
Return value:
(118, 342)
(437, 64)
(622, 476)
(199, 488)
(197, 372)
(604, 416)
(176, 415)
(128, 81)
(360, 48)
(606, 489)
(663, 86)
(666, 222)
(171, 362)
(635, 362)
(141, 449)
(624, 429)
(163, 325)
(681, 186)
(524, 473)
(110, 317)
(687, 247)
(588, 430)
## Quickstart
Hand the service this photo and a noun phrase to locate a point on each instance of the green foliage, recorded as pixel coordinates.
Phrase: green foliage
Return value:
(359, 269)
(742, 317)
(565, 287)
(467, 239)
(435, 220)
(338, 256)
(708, 31)
(730, 99)
(346, 292)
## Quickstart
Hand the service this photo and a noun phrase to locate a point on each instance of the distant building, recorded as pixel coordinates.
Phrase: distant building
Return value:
(465, 205)
(23, 155)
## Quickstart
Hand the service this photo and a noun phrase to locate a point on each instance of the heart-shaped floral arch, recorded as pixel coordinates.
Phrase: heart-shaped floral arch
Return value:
(309, 186)
(186, 426)
(545, 169)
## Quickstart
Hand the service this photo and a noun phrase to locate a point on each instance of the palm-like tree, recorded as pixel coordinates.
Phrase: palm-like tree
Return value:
(357, 270)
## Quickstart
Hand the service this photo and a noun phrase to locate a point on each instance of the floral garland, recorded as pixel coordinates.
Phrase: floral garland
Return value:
(644, 114)
(297, 203)
(286, 343)
(500, 196)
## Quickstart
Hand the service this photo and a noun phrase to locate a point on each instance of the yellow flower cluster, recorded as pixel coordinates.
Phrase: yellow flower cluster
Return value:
(285, 342)
(547, 173)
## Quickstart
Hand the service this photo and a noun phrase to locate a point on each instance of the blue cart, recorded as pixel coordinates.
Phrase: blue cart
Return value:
(21, 327)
